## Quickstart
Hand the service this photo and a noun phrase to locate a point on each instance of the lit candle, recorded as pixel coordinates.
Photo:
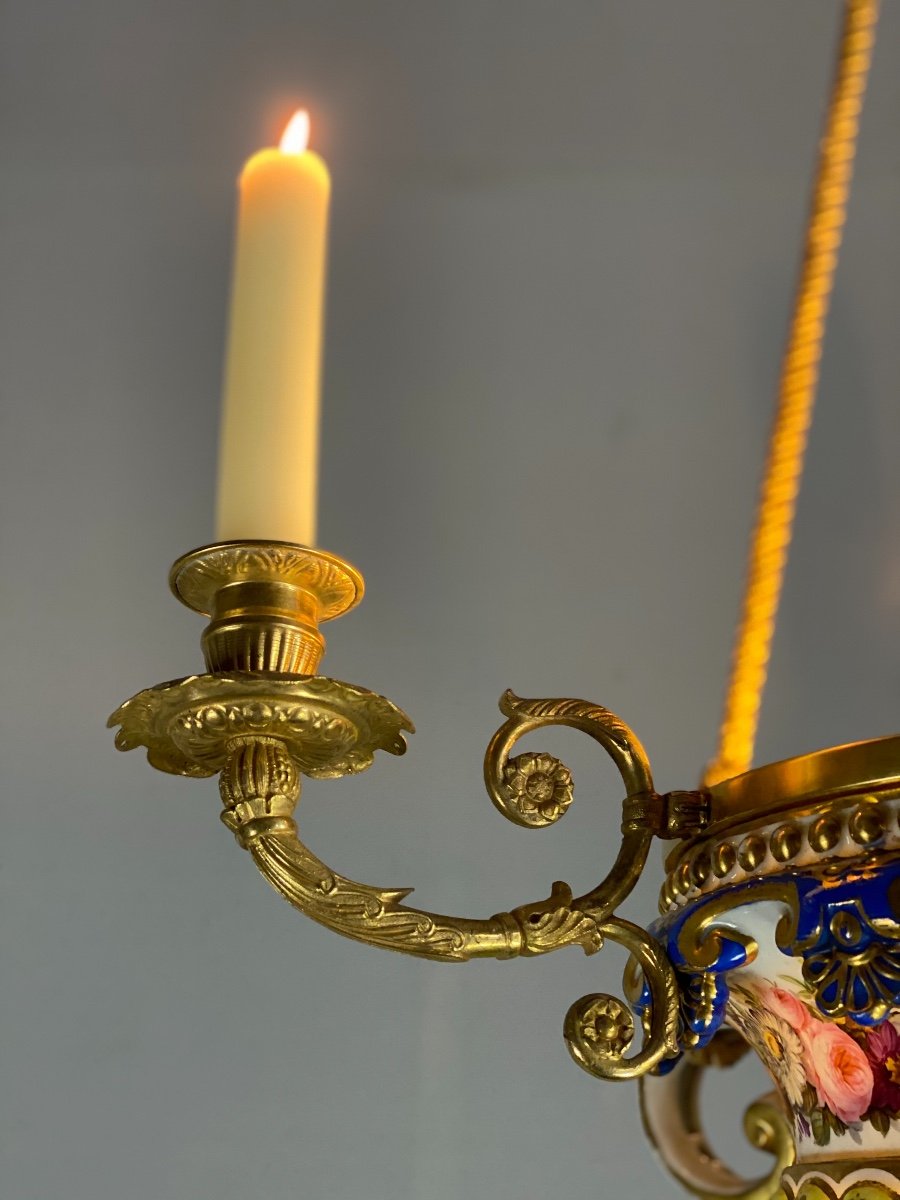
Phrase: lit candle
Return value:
(270, 411)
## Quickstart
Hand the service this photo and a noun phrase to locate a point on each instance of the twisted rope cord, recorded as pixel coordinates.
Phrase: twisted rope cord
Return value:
(796, 397)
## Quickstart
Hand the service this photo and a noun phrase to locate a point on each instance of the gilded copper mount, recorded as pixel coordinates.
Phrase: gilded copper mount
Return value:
(261, 718)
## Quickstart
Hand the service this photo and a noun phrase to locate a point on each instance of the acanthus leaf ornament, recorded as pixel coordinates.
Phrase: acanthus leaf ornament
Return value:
(263, 729)
(813, 862)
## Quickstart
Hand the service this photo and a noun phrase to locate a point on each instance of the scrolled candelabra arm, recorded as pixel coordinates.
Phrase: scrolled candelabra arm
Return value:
(262, 725)
(260, 788)
(535, 790)
(599, 1029)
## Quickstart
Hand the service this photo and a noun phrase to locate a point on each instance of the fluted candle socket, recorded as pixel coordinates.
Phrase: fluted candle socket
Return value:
(266, 601)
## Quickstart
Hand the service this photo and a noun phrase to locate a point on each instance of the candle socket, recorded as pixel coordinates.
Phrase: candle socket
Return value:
(263, 626)
(266, 601)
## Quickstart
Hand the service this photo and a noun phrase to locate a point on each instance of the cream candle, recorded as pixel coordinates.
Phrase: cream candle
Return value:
(268, 460)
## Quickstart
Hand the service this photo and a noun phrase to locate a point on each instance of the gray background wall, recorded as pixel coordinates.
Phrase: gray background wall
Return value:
(564, 240)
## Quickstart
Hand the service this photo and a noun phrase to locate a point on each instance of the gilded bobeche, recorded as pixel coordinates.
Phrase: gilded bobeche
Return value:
(261, 731)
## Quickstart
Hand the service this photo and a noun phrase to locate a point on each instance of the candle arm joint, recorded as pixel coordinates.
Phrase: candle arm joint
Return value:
(261, 719)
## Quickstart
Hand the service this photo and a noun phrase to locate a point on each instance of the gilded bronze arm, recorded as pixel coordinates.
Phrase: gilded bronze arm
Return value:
(260, 723)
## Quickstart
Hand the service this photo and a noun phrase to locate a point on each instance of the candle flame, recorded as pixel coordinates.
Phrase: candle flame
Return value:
(296, 134)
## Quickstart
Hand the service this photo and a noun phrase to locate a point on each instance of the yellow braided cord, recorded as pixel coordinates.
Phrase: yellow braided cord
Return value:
(796, 397)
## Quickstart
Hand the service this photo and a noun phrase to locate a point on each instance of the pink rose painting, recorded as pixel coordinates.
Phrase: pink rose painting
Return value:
(790, 1008)
(843, 1075)
(835, 1077)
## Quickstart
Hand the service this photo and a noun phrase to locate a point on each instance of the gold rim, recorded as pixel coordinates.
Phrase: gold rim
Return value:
(196, 577)
(839, 803)
(838, 771)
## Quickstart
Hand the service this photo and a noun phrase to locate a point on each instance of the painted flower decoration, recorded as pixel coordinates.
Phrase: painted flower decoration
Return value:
(782, 1051)
(790, 1008)
(843, 1074)
(540, 788)
(883, 1053)
(743, 1013)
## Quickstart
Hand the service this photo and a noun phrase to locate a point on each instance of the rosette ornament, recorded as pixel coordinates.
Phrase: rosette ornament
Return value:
(261, 729)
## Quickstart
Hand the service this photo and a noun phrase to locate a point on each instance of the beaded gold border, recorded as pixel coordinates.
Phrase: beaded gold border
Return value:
(811, 834)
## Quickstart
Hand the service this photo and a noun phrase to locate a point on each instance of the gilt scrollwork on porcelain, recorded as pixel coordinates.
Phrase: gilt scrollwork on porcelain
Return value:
(754, 953)
(804, 968)
(701, 976)
(849, 938)
(844, 930)
(704, 998)
(262, 732)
